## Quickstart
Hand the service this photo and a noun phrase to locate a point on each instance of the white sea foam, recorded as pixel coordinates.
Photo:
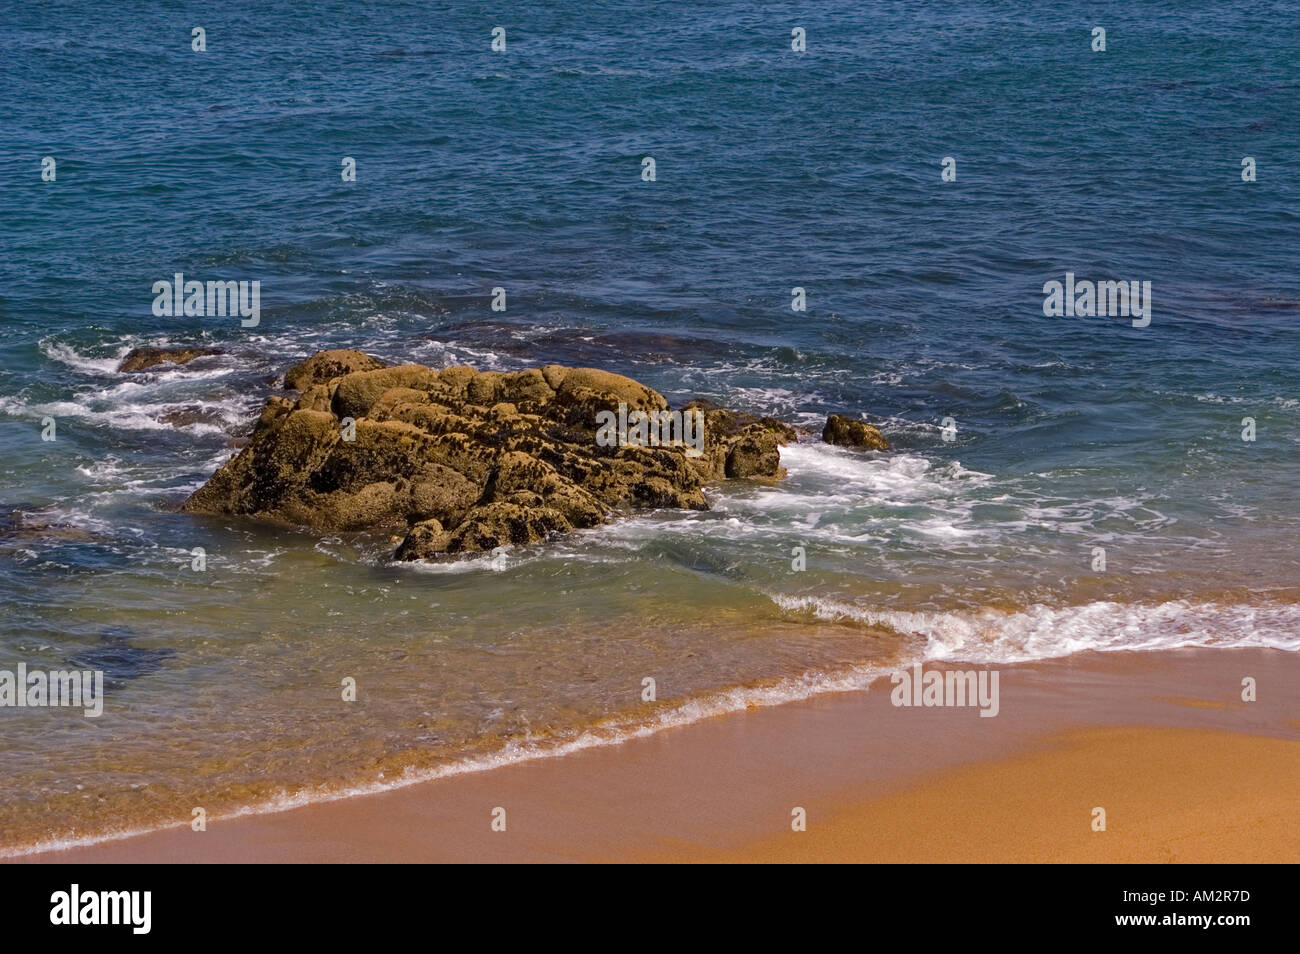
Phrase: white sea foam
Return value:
(1046, 632)
(485, 563)
(109, 470)
(451, 353)
(67, 355)
(130, 415)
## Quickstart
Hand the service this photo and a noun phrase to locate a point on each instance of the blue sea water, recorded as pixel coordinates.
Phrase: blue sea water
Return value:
(522, 169)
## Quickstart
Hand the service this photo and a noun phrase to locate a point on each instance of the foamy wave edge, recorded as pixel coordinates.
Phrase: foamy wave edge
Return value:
(1038, 632)
(614, 731)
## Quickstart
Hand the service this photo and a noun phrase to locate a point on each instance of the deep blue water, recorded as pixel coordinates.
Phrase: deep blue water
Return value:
(775, 169)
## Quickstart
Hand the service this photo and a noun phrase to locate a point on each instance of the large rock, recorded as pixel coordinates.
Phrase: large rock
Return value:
(460, 460)
(142, 359)
(848, 432)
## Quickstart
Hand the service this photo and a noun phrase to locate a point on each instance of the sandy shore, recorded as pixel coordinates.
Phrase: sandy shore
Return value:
(1185, 770)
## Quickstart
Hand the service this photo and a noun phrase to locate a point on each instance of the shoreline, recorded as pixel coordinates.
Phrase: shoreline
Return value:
(1166, 732)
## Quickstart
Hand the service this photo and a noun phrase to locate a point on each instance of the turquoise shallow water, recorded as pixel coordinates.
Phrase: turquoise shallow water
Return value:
(522, 170)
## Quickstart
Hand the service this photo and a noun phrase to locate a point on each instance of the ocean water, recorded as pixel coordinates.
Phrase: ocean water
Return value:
(522, 169)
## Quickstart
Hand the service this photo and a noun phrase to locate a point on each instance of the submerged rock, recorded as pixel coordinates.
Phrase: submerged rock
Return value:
(848, 432)
(462, 460)
(19, 525)
(118, 659)
(141, 359)
(191, 415)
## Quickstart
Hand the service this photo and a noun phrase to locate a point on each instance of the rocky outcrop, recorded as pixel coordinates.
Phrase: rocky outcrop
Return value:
(460, 460)
(141, 359)
(848, 432)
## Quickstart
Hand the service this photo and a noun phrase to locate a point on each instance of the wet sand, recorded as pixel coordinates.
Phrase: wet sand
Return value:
(1185, 770)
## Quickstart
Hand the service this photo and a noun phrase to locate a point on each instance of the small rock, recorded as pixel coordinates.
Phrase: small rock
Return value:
(425, 540)
(848, 432)
(324, 366)
(141, 359)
